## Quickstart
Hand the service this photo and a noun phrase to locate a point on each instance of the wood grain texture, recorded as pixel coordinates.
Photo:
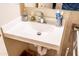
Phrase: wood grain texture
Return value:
(22, 8)
(58, 6)
(68, 35)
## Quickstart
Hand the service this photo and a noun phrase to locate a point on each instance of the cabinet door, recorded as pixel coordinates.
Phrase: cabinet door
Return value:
(45, 5)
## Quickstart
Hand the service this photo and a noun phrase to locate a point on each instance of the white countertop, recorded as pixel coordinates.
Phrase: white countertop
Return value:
(51, 35)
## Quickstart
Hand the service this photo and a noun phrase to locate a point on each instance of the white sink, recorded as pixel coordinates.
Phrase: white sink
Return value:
(40, 27)
(32, 27)
(49, 33)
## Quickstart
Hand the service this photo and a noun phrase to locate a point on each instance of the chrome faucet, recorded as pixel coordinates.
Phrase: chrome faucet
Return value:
(40, 17)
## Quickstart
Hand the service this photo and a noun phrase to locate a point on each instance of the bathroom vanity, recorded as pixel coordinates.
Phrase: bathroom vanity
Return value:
(50, 36)
(40, 35)
(46, 35)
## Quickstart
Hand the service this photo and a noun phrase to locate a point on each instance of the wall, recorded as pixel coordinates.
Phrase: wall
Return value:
(8, 12)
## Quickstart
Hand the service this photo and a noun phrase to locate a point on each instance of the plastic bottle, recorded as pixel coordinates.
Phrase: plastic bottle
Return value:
(58, 18)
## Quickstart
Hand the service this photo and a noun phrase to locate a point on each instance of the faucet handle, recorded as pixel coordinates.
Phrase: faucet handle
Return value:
(40, 19)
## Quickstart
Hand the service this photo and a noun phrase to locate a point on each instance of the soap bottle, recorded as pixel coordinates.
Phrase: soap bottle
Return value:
(59, 18)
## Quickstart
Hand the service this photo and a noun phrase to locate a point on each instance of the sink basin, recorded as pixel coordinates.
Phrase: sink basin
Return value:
(33, 28)
(29, 30)
(39, 27)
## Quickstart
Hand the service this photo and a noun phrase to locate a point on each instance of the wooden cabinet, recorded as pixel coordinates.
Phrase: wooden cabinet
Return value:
(39, 5)
(23, 6)
(45, 5)
(58, 5)
(30, 4)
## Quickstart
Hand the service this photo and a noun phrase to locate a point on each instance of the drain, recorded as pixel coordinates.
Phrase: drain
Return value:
(38, 33)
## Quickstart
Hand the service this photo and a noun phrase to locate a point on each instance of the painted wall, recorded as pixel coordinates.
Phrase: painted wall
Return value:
(8, 12)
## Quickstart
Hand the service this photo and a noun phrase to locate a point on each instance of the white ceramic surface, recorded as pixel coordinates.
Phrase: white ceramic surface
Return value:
(49, 33)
